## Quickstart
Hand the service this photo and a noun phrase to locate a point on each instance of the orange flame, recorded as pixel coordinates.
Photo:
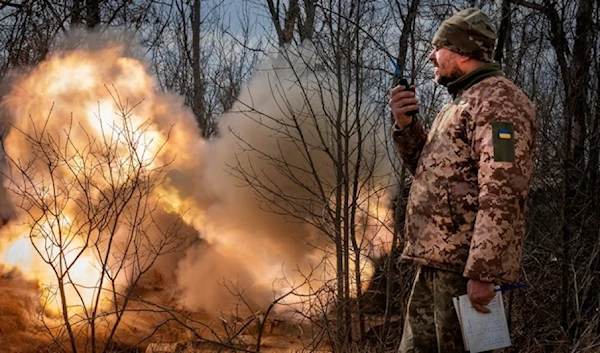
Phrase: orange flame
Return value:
(94, 102)
(80, 274)
(65, 101)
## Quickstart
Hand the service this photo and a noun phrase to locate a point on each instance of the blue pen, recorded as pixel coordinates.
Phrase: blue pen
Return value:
(510, 287)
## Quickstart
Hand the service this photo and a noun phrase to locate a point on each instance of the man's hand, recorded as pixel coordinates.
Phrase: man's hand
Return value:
(480, 294)
(403, 101)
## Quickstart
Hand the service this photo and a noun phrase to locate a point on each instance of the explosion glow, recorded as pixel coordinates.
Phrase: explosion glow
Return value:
(81, 275)
(102, 165)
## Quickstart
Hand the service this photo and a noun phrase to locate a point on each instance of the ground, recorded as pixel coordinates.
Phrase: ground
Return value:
(21, 330)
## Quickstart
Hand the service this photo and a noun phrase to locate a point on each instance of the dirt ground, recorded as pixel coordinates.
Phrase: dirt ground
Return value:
(22, 331)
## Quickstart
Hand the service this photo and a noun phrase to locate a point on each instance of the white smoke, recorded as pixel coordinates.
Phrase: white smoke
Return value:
(257, 198)
(273, 167)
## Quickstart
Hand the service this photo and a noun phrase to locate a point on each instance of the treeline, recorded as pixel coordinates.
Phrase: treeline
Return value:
(205, 51)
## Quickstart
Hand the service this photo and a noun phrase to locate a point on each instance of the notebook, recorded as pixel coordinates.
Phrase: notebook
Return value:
(482, 332)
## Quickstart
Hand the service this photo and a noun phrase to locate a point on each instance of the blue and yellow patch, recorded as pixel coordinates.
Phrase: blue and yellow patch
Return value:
(503, 138)
(504, 134)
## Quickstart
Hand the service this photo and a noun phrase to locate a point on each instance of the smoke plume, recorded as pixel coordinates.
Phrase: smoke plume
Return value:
(250, 212)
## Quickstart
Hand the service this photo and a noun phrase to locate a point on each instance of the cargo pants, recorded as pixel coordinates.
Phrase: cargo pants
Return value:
(431, 323)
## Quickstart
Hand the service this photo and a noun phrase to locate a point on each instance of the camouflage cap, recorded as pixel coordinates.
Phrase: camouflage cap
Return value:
(469, 32)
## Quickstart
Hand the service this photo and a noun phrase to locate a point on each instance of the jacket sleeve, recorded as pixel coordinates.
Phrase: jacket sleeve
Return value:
(409, 142)
(504, 175)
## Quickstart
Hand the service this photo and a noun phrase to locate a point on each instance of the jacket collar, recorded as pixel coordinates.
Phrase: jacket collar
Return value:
(475, 76)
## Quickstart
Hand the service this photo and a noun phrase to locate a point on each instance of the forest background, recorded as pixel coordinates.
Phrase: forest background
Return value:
(288, 101)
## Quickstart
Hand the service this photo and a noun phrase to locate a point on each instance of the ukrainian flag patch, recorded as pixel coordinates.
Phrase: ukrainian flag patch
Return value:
(504, 134)
(503, 138)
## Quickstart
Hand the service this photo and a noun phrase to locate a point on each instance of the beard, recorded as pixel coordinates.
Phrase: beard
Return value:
(453, 75)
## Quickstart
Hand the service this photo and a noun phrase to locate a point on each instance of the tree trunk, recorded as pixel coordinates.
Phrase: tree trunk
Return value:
(93, 13)
(574, 68)
(285, 33)
(503, 32)
(577, 111)
(306, 27)
(76, 12)
(198, 94)
(407, 30)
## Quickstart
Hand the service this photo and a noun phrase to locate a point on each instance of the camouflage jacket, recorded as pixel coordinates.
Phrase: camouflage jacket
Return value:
(466, 209)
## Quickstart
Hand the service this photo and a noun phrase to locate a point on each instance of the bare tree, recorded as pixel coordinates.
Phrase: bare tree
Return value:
(338, 133)
(198, 80)
(93, 13)
(573, 64)
(196, 53)
(92, 207)
(329, 167)
(285, 31)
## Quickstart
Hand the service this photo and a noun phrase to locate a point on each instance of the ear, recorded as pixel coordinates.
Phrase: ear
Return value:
(463, 58)
(467, 63)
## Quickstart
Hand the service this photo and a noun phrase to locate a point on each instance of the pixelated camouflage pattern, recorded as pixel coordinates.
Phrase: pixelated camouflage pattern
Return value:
(431, 323)
(469, 32)
(412, 139)
(465, 211)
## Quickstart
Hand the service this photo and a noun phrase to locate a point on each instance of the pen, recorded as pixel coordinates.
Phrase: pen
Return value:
(510, 287)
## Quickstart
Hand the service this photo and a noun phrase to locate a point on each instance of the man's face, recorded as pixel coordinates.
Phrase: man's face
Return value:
(446, 67)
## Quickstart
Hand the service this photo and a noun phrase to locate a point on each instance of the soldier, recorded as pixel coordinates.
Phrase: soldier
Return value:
(466, 210)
